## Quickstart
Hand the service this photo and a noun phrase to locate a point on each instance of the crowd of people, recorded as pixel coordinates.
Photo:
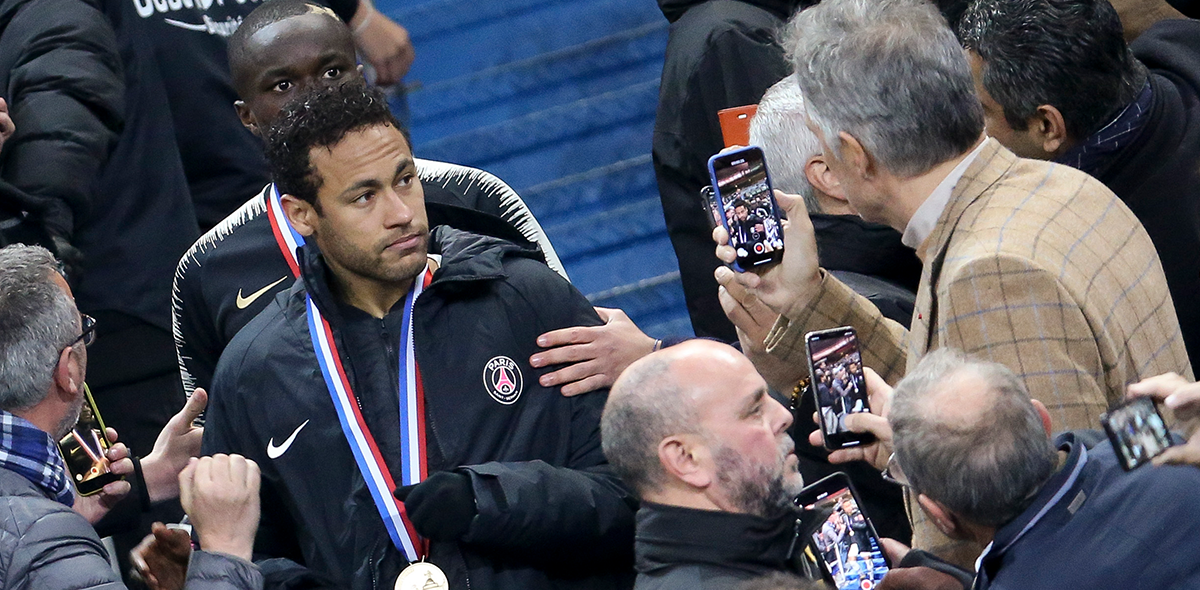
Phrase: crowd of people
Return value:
(840, 387)
(391, 383)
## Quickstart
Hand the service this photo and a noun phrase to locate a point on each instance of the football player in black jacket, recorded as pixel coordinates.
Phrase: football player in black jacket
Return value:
(389, 369)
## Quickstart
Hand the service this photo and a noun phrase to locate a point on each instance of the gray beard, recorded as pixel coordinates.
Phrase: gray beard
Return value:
(758, 490)
(68, 422)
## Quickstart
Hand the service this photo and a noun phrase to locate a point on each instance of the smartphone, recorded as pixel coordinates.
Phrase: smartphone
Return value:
(1137, 432)
(838, 386)
(747, 207)
(846, 544)
(83, 450)
(735, 124)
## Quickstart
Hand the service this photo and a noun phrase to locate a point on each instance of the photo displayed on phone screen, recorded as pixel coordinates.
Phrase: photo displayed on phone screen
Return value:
(838, 384)
(747, 206)
(83, 450)
(1137, 431)
(846, 543)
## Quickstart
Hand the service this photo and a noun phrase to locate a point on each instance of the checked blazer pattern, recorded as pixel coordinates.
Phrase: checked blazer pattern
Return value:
(1032, 265)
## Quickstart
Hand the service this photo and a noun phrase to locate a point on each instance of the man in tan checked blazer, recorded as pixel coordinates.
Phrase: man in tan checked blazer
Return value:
(1035, 266)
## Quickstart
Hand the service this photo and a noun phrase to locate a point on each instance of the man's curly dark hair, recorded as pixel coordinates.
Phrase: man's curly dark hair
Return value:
(320, 117)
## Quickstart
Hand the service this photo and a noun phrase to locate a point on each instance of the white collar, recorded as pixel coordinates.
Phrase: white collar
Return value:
(926, 217)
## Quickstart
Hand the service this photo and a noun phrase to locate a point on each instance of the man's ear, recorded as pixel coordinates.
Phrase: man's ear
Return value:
(1050, 129)
(942, 518)
(854, 154)
(68, 374)
(822, 178)
(684, 458)
(300, 213)
(246, 117)
(1045, 414)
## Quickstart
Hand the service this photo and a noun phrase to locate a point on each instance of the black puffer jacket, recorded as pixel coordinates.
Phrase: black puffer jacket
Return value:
(688, 549)
(550, 513)
(61, 76)
(44, 544)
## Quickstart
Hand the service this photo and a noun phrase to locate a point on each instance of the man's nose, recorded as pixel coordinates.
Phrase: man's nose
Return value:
(782, 416)
(397, 212)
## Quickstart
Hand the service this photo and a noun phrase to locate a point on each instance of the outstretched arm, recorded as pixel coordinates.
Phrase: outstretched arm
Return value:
(594, 355)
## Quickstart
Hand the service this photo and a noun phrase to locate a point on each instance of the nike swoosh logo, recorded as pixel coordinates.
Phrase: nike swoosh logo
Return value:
(275, 452)
(244, 302)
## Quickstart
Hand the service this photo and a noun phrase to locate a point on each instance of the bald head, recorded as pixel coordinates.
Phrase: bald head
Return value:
(669, 393)
(247, 47)
(281, 50)
(968, 435)
(654, 398)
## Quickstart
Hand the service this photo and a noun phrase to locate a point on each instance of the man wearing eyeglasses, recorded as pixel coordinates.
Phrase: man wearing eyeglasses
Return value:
(43, 542)
(976, 453)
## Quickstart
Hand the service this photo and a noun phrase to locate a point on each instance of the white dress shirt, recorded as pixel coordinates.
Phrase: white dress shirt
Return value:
(926, 216)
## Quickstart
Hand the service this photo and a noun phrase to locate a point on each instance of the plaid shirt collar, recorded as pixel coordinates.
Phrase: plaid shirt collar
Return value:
(1098, 150)
(30, 452)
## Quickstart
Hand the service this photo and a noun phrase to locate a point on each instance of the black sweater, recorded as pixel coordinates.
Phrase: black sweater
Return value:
(1158, 174)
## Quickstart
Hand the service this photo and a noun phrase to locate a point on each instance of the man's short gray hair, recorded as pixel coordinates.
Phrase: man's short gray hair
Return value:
(37, 319)
(781, 130)
(646, 405)
(988, 471)
(891, 74)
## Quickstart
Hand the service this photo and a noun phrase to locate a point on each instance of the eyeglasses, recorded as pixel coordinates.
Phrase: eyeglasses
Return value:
(893, 473)
(89, 331)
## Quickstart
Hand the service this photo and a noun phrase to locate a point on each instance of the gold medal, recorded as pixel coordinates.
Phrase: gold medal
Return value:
(422, 575)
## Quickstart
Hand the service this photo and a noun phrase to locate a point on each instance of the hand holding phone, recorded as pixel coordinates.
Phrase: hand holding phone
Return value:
(85, 450)
(746, 204)
(1137, 432)
(796, 280)
(847, 547)
(874, 453)
(838, 385)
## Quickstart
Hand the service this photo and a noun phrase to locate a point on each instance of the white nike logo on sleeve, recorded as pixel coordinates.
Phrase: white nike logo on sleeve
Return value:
(275, 452)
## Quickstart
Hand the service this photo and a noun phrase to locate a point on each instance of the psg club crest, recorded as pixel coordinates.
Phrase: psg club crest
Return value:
(502, 378)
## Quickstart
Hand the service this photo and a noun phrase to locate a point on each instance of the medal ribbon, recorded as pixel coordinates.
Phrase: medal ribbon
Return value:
(414, 464)
(286, 237)
(413, 461)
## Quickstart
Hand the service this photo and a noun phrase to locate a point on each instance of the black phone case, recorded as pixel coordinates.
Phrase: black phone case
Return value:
(863, 438)
(1115, 440)
(832, 483)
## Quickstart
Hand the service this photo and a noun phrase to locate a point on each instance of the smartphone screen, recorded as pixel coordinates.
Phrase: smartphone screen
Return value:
(83, 450)
(1137, 431)
(747, 207)
(846, 543)
(838, 384)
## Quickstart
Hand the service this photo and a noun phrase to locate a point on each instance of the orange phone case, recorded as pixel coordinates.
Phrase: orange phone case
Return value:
(735, 124)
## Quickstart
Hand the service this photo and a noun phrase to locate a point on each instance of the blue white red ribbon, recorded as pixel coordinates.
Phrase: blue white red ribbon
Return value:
(413, 461)
(286, 237)
(362, 444)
